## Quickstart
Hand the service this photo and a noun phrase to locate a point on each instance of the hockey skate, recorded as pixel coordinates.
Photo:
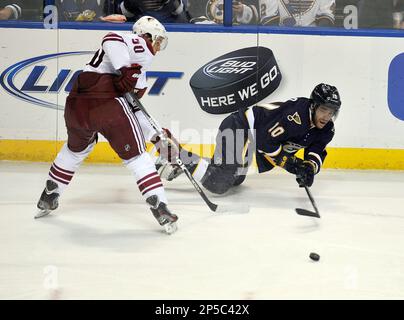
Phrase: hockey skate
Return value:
(163, 216)
(49, 199)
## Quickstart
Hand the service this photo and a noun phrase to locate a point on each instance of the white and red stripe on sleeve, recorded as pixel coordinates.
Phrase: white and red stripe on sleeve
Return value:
(112, 37)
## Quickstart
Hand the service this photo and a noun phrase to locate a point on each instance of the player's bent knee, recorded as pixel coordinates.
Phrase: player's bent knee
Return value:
(239, 180)
(219, 179)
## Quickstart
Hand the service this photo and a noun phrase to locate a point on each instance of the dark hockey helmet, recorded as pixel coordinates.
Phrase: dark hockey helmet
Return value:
(326, 95)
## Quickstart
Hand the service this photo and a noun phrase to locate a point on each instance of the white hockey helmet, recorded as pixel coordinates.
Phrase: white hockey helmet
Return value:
(153, 27)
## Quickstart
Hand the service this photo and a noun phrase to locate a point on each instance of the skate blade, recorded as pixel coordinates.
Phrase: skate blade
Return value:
(42, 213)
(170, 228)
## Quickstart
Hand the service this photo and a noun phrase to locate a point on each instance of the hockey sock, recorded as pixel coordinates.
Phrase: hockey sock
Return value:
(66, 164)
(147, 178)
(200, 169)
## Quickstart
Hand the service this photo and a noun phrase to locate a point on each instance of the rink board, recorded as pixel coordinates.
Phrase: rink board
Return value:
(366, 70)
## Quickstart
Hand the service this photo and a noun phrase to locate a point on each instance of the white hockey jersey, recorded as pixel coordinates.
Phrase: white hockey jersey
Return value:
(296, 12)
(122, 50)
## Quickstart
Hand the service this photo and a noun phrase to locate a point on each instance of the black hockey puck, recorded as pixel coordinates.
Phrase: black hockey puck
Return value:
(236, 80)
(314, 256)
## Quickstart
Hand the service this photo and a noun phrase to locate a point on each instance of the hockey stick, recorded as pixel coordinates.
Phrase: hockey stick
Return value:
(309, 213)
(134, 101)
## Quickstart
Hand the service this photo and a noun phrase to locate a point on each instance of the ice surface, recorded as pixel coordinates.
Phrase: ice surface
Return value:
(103, 242)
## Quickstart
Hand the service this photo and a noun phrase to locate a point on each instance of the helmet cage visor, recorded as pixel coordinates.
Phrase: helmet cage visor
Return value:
(332, 109)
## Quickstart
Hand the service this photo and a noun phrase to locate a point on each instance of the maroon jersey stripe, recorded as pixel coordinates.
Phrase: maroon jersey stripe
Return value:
(147, 176)
(60, 174)
(57, 179)
(149, 45)
(132, 124)
(112, 39)
(135, 128)
(138, 127)
(112, 34)
(152, 188)
(63, 170)
(141, 132)
(148, 183)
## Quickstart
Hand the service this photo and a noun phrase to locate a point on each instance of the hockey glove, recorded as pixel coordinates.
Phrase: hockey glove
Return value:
(127, 80)
(168, 146)
(305, 174)
(288, 162)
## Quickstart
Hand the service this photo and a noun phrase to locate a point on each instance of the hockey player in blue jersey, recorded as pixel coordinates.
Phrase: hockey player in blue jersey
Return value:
(274, 132)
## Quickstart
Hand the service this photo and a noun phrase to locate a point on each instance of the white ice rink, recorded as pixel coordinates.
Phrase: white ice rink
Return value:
(103, 242)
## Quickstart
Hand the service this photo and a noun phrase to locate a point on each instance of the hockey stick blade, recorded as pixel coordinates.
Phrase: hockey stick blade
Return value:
(213, 207)
(308, 213)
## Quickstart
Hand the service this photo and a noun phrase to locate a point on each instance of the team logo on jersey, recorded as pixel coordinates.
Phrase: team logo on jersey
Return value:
(295, 8)
(292, 147)
(295, 118)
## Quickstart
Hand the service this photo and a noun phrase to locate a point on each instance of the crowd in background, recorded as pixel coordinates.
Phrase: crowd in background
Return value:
(326, 13)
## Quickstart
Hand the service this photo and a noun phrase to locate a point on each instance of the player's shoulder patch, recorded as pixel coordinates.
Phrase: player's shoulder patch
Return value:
(269, 106)
(112, 34)
(295, 118)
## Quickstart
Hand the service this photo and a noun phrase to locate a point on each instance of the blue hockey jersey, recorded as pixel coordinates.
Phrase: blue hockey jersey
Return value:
(284, 129)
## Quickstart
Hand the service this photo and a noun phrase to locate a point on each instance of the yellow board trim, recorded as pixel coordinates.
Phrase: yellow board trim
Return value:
(340, 158)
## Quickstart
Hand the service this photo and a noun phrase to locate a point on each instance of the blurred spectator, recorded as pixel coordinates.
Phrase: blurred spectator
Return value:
(80, 10)
(398, 14)
(21, 10)
(111, 7)
(112, 11)
(163, 10)
(211, 11)
(384, 14)
(297, 12)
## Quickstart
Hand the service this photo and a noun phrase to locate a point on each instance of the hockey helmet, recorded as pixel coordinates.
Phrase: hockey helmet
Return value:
(326, 95)
(151, 26)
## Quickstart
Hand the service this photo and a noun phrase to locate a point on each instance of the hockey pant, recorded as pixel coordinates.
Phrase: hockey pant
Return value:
(140, 163)
(232, 157)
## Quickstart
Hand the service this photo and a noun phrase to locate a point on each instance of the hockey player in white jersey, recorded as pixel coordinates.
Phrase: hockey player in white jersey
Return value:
(303, 13)
(96, 104)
